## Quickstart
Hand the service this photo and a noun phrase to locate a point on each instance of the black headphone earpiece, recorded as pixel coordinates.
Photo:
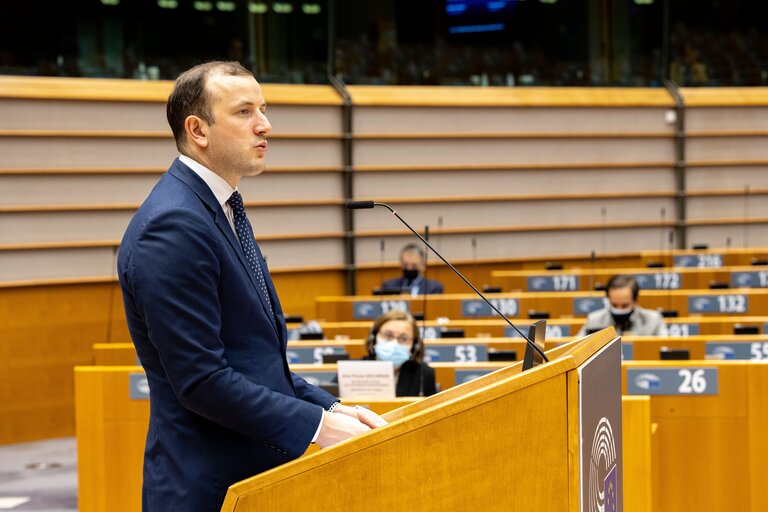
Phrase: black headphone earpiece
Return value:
(416, 342)
(370, 342)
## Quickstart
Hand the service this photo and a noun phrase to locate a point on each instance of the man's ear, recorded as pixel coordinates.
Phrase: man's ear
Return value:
(197, 131)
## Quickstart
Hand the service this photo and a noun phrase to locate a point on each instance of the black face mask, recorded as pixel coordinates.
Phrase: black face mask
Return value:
(621, 320)
(409, 274)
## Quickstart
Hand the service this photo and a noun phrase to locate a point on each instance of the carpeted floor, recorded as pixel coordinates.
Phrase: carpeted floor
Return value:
(39, 476)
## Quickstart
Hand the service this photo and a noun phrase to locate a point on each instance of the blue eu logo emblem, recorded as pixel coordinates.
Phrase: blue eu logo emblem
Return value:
(609, 490)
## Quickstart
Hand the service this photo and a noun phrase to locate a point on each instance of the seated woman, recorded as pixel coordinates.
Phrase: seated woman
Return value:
(395, 337)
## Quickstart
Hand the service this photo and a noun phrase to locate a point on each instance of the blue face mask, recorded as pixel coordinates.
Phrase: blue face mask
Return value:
(392, 351)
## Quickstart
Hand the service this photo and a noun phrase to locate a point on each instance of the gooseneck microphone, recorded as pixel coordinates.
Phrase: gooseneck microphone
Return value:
(360, 205)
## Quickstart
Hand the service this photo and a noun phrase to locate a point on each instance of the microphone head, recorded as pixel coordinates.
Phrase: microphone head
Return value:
(359, 205)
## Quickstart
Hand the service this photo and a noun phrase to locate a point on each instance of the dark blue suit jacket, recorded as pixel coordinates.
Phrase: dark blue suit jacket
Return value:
(223, 403)
(399, 283)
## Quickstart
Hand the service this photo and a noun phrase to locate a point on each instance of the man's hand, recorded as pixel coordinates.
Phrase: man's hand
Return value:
(338, 427)
(362, 414)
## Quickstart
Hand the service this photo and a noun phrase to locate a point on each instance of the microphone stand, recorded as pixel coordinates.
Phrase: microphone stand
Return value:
(424, 287)
(371, 204)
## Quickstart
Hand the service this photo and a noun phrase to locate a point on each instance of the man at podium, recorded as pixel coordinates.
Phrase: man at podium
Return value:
(204, 315)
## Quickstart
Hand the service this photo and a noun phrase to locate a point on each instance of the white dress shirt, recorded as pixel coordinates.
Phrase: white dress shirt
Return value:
(218, 185)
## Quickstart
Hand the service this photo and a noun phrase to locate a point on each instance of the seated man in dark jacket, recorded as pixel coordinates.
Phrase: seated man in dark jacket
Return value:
(413, 263)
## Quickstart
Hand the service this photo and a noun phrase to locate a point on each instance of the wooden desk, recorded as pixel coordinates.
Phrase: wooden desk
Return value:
(710, 448)
(476, 350)
(715, 257)
(111, 428)
(558, 304)
(669, 278)
(556, 328)
(111, 432)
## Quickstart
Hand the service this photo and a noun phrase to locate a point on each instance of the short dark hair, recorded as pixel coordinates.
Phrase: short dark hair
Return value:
(412, 248)
(190, 95)
(622, 281)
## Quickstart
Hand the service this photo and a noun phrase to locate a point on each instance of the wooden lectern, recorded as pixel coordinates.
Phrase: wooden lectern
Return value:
(548, 439)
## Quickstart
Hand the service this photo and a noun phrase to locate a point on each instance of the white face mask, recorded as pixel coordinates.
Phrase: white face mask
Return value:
(391, 351)
(621, 311)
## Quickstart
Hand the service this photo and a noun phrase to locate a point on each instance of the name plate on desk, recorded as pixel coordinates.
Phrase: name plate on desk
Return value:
(659, 281)
(462, 376)
(456, 353)
(366, 378)
(553, 331)
(553, 283)
(699, 260)
(627, 351)
(430, 333)
(473, 308)
(681, 330)
(586, 305)
(749, 279)
(311, 355)
(138, 387)
(730, 304)
(672, 381)
(371, 309)
(745, 350)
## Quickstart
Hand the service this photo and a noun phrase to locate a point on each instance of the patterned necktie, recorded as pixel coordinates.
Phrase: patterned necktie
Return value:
(247, 242)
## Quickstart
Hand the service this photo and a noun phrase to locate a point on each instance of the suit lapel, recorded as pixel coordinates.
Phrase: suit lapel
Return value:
(182, 172)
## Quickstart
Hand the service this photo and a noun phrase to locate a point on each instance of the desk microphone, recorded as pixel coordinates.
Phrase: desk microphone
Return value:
(381, 262)
(361, 205)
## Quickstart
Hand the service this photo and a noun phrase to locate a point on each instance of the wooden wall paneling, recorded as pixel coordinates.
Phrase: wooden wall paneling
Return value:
(728, 207)
(56, 263)
(436, 152)
(301, 254)
(724, 149)
(63, 226)
(64, 189)
(295, 219)
(64, 115)
(46, 331)
(137, 152)
(270, 186)
(519, 182)
(726, 177)
(86, 152)
(713, 97)
(726, 118)
(542, 245)
(297, 290)
(436, 96)
(475, 120)
(482, 214)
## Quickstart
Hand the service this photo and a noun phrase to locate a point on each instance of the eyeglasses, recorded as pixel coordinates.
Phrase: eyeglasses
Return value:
(401, 338)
